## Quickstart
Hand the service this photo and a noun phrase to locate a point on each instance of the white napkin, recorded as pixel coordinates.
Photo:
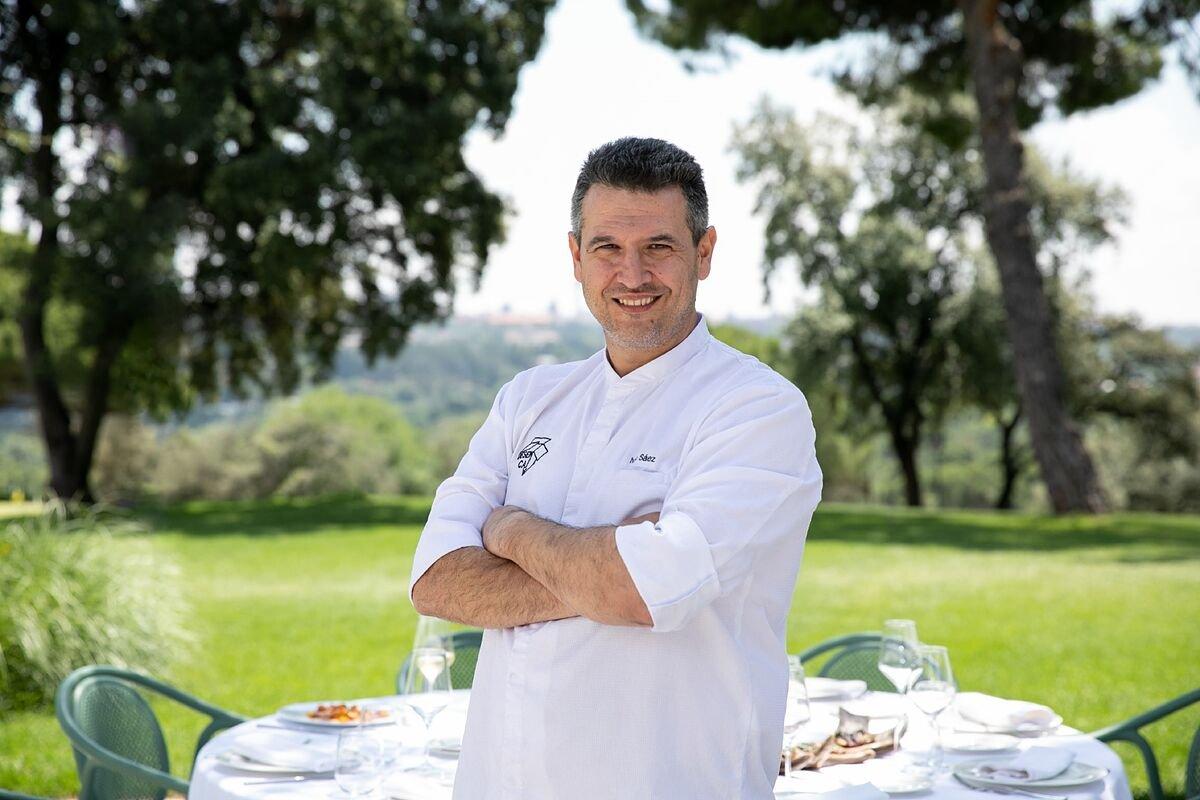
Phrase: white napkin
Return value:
(863, 791)
(996, 712)
(1035, 764)
(830, 689)
(307, 752)
(407, 786)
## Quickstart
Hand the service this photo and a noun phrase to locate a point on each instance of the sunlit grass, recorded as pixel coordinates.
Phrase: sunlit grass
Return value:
(1094, 616)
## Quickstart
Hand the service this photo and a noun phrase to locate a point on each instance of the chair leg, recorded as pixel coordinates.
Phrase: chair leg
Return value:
(1152, 777)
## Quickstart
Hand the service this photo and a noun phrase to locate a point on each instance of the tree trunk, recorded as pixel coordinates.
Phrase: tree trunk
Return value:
(996, 65)
(905, 448)
(1010, 467)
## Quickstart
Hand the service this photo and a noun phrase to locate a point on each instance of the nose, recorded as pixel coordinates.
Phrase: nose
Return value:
(631, 271)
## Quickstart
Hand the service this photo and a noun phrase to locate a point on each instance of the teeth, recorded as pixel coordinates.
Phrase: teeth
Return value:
(644, 301)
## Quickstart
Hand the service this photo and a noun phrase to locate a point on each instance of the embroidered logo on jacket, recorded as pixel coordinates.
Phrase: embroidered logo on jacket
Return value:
(532, 452)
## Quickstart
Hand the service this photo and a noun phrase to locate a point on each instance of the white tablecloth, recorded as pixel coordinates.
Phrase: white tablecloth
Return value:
(213, 780)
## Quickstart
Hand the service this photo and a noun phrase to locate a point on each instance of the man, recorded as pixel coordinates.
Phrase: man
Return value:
(628, 528)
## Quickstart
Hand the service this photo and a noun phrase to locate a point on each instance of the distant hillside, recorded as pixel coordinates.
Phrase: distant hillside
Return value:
(1183, 335)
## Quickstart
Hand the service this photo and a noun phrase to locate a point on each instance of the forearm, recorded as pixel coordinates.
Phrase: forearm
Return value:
(475, 587)
(580, 565)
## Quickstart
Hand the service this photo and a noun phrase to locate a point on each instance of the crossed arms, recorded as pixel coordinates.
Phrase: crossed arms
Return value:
(533, 570)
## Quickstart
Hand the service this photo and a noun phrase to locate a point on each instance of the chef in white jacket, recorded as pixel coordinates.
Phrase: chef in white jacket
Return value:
(628, 529)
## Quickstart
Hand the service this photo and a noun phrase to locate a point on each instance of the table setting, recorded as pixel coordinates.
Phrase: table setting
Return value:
(841, 740)
(930, 740)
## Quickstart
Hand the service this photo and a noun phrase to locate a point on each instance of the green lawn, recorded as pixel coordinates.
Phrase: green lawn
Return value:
(1095, 617)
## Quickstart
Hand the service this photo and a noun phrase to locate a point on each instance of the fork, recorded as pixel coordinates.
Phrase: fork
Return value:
(1011, 791)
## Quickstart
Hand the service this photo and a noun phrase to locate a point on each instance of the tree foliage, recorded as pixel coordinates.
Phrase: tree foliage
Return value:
(225, 192)
(884, 220)
(1020, 60)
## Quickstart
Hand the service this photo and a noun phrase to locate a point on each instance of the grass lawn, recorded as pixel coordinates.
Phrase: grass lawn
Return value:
(290, 601)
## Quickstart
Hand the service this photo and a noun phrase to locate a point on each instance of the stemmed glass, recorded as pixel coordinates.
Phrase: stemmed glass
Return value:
(797, 711)
(932, 691)
(427, 691)
(898, 659)
(435, 632)
(358, 770)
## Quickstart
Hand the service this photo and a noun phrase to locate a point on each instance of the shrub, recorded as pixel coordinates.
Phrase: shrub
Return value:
(81, 591)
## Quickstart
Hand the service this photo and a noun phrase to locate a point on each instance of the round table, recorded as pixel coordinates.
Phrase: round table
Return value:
(213, 780)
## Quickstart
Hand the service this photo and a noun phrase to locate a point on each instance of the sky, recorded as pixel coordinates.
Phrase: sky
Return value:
(596, 79)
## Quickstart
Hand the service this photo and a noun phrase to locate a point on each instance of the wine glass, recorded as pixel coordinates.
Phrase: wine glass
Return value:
(427, 691)
(358, 770)
(435, 632)
(797, 712)
(932, 691)
(898, 660)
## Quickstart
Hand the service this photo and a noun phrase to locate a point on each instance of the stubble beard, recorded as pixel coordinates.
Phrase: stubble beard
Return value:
(658, 333)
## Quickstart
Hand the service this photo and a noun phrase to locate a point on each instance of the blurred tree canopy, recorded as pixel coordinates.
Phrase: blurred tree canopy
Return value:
(219, 194)
(1020, 60)
(887, 226)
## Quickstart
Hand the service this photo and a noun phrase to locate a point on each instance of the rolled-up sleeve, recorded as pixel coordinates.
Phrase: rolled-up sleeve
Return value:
(465, 499)
(749, 479)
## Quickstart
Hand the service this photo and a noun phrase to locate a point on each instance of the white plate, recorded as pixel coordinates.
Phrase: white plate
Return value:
(830, 689)
(902, 784)
(980, 742)
(806, 782)
(879, 704)
(965, 725)
(298, 713)
(1075, 775)
(239, 761)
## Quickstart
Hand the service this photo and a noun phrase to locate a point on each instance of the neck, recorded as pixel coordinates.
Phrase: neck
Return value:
(625, 361)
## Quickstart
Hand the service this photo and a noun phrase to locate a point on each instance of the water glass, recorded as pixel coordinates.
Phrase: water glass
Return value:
(797, 711)
(358, 770)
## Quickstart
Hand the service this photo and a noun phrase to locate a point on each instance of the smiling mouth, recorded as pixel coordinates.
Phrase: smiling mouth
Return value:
(637, 305)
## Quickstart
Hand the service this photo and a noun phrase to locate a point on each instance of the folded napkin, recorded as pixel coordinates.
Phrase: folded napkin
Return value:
(996, 712)
(863, 791)
(1035, 764)
(830, 689)
(303, 752)
(408, 786)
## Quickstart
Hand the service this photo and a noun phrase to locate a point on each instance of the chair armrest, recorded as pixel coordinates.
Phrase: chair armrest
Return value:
(1121, 730)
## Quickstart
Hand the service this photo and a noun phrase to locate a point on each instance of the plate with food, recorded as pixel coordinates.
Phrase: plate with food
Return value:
(337, 713)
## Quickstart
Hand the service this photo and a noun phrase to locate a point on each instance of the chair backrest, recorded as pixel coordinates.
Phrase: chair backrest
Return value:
(466, 646)
(1191, 781)
(854, 656)
(108, 713)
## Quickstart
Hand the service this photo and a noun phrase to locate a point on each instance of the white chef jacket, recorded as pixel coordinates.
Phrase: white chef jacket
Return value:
(693, 707)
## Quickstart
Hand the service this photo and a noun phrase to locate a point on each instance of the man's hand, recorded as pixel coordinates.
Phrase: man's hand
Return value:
(498, 526)
(643, 518)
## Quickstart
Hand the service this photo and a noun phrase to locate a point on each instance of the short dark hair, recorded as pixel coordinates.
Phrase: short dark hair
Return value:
(643, 165)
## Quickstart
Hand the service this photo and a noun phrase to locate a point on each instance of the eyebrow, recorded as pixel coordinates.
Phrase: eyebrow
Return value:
(658, 237)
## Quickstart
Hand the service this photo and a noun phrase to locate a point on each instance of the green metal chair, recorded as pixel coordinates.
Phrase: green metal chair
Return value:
(854, 656)
(5, 794)
(466, 646)
(115, 736)
(1130, 731)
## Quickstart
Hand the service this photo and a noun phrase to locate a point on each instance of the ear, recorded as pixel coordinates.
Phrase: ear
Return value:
(704, 252)
(573, 246)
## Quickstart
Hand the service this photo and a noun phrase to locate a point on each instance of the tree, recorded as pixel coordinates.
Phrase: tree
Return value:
(884, 225)
(221, 193)
(1020, 60)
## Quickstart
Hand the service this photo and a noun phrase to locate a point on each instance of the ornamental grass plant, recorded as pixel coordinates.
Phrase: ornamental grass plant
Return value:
(78, 590)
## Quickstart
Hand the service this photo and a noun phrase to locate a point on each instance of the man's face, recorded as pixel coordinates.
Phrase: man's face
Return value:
(639, 267)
